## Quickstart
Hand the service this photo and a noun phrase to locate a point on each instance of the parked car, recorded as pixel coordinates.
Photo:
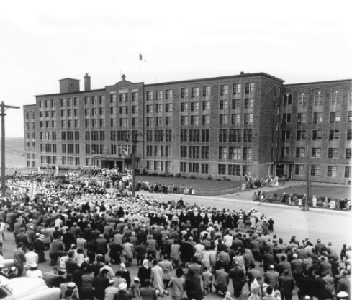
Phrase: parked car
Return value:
(24, 288)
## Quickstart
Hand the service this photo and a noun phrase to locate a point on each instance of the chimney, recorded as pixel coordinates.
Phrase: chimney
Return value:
(87, 83)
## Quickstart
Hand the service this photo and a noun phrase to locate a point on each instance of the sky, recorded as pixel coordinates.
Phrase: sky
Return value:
(44, 41)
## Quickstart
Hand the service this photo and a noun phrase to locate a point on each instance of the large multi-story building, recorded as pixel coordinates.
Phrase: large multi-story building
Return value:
(222, 127)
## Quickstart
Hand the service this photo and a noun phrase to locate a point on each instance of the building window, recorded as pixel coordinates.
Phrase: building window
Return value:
(205, 119)
(302, 99)
(285, 135)
(221, 169)
(223, 135)
(318, 117)
(234, 170)
(194, 106)
(206, 91)
(205, 168)
(183, 135)
(183, 151)
(349, 116)
(333, 153)
(302, 118)
(235, 135)
(224, 90)
(348, 153)
(184, 106)
(286, 118)
(184, 93)
(159, 95)
(248, 103)
(247, 135)
(193, 168)
(193, 152)
(317, 135)
(223, 119)
(249, 88)
(235, 153)
(222, 152)
(348, 172)
(315, 170)
(318, 99)
(205, 152)
(194, 135)
(184, 120)
(334, 135)
(168, 107)
(169, 94)
(248, 119)
(335, 116)
(236, 88)
(194, 92)
(349, 134)
(223, 104)
(149, 95)
(236, 104)
(300, 152)
(301, 135)
(205, 135)
(112, 98)
(316, 152)
(299, 170)
(205, 105)
(287, 99)
(183, 167)
(236, 118)
(285, 151)
(336, 98)
(247, 153)
(332, 171)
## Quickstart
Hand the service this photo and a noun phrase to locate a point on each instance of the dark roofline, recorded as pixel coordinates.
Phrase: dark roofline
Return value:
(29, 105)
(72, 93)
(320, 82)
(216, 78)
(70, 79)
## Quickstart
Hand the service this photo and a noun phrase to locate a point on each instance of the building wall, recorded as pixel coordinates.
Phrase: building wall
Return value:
(309, 124)
(67, 123)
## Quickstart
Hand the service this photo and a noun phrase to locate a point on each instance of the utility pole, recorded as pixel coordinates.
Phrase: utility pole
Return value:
(306, 206)
(3, 164)
(134, 139)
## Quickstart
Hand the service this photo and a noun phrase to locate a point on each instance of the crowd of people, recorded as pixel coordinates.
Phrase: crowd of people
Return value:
(94, 238)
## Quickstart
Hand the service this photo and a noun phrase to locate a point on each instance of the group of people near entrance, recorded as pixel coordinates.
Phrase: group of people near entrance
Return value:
(106, 246)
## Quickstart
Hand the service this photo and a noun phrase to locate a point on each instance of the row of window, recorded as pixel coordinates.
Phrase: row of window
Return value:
(160, 166)
(317, 134)
(232, 169)
(159, 135)
(319, 97)
(195, 92)
(315, 170)
(158, 151)
(335, 116)
(316, 152)
(225, 135)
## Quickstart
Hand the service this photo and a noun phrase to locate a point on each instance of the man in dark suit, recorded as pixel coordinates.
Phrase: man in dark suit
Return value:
(192, 287)
(100, 284)
(238, 280)
(271, 277)
(101, 245)
(287, 284)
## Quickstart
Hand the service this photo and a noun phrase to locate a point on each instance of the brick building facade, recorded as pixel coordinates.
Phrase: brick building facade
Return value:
(223, 127)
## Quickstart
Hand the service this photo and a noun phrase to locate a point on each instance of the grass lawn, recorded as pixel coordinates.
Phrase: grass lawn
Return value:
(197, 184)
(330, 191)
